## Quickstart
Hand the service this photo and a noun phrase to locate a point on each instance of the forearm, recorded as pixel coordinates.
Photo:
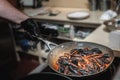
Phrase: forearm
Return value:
(7, 11)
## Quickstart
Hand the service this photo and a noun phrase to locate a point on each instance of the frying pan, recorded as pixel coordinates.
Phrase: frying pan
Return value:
(61, 49)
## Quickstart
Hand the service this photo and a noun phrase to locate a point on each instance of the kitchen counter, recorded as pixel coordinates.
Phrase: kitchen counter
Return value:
(62, 16)
(101, 36)
(97, 36)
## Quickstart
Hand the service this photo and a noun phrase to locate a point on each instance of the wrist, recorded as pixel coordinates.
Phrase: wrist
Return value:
(26, 21)
(22, 20)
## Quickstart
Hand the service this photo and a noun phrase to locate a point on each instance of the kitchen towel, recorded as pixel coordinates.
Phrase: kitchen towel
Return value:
(107, 15)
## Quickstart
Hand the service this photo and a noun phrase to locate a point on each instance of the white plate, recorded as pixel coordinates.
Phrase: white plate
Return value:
(78, 15)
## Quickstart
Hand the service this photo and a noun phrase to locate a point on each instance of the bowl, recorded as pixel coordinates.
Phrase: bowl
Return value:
(111, 25)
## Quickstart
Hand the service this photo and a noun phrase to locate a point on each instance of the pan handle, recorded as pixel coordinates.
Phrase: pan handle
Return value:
(40, 68)
(49, 44)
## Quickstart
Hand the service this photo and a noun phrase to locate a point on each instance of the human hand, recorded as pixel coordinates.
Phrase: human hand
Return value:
(31, 27)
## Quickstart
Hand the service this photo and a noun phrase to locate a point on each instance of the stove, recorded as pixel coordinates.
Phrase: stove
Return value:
(105, 75)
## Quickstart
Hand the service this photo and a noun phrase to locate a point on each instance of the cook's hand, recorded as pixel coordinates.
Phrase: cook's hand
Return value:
(31, 27)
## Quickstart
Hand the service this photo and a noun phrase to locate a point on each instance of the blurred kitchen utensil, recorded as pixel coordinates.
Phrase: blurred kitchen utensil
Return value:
(104, 5)
(118, 6)
(93, 5)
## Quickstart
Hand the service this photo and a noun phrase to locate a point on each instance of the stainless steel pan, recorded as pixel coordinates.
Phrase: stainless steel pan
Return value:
(66, 47)
(59, 50)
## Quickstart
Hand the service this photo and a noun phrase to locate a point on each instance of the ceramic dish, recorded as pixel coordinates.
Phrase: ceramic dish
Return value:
(78, 15)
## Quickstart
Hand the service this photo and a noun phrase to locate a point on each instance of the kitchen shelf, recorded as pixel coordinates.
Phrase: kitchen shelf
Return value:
(79, 33)
(85, 24)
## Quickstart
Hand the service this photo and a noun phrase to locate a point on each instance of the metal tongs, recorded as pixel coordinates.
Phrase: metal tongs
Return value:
(49, 44)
